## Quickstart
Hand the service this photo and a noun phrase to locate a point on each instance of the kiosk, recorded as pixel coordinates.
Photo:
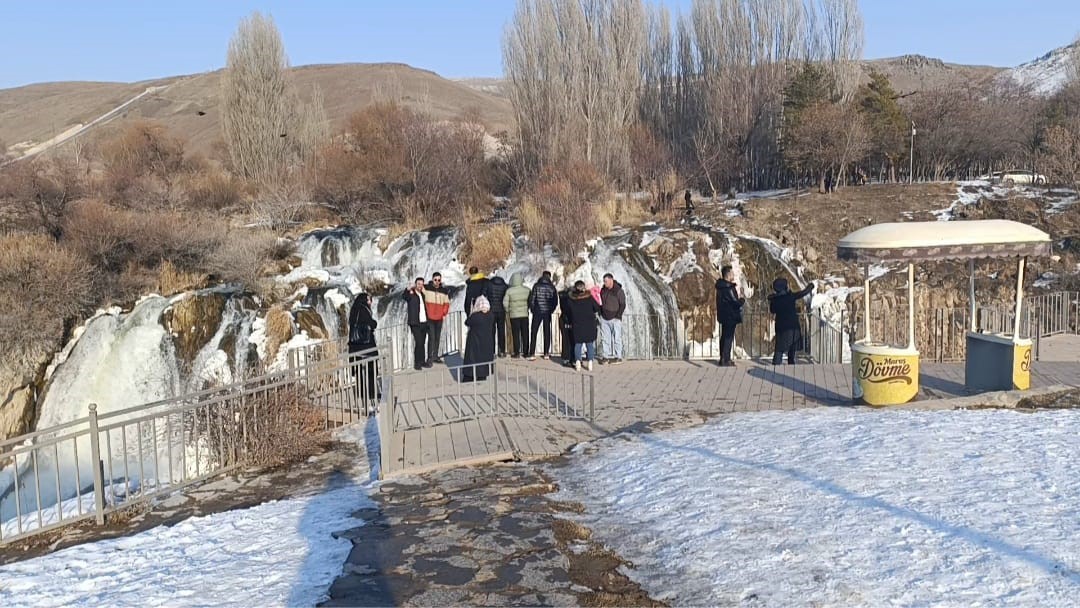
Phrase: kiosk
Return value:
(884, 374)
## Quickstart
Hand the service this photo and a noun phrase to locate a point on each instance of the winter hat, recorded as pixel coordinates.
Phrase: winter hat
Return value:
(481, 304)
(780, 285)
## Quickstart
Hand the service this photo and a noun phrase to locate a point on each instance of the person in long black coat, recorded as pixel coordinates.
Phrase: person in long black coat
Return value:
(583, 311)
(566, 327)
(728, 312)
(480, 342)
(782, 303)
(362, 350)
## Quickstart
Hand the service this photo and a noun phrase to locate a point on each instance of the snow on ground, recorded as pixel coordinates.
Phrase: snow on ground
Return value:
(969, 193)
(279, 553)
(843, 507)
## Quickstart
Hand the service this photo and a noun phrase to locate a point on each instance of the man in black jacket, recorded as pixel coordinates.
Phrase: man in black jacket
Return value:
(497, 288)
(543, 299)
(728, 312)
(782, 303)
(418, 323)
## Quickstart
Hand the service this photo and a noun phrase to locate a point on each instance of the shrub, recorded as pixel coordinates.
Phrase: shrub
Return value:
(128, 247)
(213, 191)
(43, 287)
(243, 257)
(364, 171)
(42, 191)
(564, 209)
(266, 429)
(143, 164)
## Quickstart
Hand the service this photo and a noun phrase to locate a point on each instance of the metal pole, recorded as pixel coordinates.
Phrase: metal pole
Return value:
(592, 397)
(866, 305)
(95, 458)
(971, 293)
(494, 390)
(1019, 296)
(911, 156)
(386, 422)
(911, 305)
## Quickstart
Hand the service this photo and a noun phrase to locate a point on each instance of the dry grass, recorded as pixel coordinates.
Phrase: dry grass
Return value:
(627, 213)
(171, 280)
(487, 247)
(279, 329)
(532, 219)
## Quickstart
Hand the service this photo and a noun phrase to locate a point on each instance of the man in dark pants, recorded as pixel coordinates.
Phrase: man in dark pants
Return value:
(418, 322)
(543, 300)
(782, 303)
(437, 306)
(728, 312)
(497, 286)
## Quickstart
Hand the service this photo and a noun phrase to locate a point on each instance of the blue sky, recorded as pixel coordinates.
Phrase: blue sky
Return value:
(47, 40)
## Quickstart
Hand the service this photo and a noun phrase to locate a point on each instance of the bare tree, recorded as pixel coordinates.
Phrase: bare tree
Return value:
(827, 140)
(259, 108)
(574, 70)
(1062, 143)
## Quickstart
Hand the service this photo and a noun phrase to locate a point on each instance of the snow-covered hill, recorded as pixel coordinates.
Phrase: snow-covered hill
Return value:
(1045, 75)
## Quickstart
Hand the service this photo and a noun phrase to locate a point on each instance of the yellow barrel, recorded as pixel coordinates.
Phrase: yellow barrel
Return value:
(1021, 365)
(883, 375)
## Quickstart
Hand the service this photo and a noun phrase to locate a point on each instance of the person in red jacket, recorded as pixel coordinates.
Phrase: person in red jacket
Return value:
(437, 306)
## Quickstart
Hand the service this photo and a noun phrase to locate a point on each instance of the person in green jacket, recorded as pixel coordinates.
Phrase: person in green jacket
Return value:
(516, 304)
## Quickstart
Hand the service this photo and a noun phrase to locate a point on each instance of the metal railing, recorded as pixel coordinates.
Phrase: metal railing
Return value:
(103, 462)
(941, 334)
(394, 341)
(469, 391)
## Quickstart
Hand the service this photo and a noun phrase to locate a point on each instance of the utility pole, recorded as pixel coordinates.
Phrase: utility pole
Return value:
(911, 156)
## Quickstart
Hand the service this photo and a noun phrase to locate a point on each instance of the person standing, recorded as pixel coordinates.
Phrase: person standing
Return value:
(497, 287)
(782, 303)
(437, 306)
(728, 312)
(566, 326)
(479, 344)
(475, 286)
(583, 311)
(612, 307)
(363, 354)
(516, 303)
(416, 316)
(687, 198)
(543, 299)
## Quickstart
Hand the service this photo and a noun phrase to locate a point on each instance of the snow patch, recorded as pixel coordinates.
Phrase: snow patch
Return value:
(843, 507)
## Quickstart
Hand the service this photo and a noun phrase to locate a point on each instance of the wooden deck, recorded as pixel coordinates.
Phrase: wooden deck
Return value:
(447, 429)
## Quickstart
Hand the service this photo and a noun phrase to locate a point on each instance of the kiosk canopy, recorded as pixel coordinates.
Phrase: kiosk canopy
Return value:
(964, 240)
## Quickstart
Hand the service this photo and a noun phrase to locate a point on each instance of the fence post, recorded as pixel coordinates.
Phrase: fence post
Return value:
(592, 397)
(95, 458)
(386, 422)
(494, 390)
